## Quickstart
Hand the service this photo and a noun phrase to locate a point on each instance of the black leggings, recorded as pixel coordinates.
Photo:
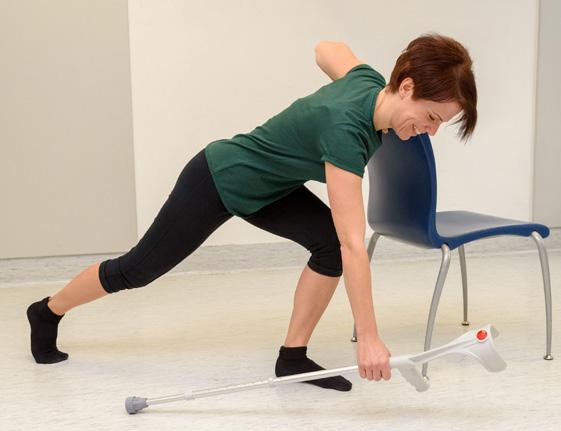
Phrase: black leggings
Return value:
(194, 210)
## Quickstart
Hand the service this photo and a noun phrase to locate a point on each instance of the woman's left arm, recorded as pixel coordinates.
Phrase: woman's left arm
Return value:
(335, 58)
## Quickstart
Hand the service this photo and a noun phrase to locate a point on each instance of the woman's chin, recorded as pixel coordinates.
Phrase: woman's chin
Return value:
(404, 136)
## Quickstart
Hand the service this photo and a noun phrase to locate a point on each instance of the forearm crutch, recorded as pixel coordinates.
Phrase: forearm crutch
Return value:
(477, 344)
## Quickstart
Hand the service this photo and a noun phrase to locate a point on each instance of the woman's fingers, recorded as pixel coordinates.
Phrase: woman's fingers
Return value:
(386, 373)
(371, 373)
(376, 373)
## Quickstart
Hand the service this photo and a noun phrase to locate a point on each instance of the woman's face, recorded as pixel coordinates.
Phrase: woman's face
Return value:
(420, 116)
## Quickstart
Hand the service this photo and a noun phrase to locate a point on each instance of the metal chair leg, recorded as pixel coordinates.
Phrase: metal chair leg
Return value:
(370, 250)
(547, 290)
(436, 298)
(463, 267)
(372, 245)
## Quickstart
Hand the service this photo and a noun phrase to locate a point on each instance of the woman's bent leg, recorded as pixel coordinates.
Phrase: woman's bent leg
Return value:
(302, 217)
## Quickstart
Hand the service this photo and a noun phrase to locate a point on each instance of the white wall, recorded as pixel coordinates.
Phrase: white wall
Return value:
(547, 175)
(66, 168)
(204, 70)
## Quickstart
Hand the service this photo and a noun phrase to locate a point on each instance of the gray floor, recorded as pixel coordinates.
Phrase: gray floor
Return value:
(192, 330)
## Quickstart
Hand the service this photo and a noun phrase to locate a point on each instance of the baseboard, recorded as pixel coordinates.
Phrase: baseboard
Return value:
(270, 256)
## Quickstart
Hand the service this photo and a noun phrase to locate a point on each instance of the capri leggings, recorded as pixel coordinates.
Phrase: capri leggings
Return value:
(193, 210)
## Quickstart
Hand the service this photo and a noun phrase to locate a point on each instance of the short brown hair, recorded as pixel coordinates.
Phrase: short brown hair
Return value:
(441, 71)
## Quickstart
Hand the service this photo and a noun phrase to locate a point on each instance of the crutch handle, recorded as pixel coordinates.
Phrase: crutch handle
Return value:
(414, 376)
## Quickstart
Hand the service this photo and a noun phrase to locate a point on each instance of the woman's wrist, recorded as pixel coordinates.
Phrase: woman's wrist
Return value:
(367, 334)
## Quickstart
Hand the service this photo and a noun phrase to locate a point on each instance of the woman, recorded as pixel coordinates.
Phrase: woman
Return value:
(328, 136)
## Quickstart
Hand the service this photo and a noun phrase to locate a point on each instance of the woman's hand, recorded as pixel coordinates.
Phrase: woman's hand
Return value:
(373, 359)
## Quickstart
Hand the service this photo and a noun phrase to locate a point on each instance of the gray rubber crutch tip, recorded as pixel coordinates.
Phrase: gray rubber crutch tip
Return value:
(135, 404)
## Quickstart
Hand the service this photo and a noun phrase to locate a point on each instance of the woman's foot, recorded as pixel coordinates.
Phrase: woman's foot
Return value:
(44, 329)
(293, 360)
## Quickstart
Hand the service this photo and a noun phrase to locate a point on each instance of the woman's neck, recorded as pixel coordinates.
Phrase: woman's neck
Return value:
(382, 111)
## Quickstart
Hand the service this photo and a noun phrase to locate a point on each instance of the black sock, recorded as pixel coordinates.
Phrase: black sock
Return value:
(293, 360)
(44, 328)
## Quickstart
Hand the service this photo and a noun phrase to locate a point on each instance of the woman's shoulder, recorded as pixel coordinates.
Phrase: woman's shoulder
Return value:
(366, 70)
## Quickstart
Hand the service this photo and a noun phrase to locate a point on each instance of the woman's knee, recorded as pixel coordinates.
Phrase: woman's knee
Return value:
(326, 258)
(116, 275)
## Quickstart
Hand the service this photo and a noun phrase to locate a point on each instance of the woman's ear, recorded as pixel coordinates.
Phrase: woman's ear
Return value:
(406, 88)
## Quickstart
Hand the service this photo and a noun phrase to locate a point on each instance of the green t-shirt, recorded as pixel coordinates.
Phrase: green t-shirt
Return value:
(335, 124)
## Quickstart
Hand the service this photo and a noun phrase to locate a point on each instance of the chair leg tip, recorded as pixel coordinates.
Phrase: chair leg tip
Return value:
(353, 339)
(465, 323)
(548, 358)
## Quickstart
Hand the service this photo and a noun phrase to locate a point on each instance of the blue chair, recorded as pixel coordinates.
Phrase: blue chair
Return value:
(402, 206)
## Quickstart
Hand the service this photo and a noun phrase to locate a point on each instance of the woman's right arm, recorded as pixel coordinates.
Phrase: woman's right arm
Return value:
(335, 58)
(345, 198)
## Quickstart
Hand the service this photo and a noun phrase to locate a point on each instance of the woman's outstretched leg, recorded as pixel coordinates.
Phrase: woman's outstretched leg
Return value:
(191, 213)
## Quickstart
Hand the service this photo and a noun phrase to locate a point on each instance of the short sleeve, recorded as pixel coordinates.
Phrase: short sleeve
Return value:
(359, 67)
(344, 148)
(366, 71)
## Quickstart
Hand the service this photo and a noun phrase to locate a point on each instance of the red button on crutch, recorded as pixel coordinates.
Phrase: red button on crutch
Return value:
(481, 335)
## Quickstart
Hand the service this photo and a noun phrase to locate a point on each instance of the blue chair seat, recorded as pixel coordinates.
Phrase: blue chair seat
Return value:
(455, 228)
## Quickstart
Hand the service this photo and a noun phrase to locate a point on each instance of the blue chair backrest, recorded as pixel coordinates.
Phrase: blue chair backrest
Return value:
(402, 194)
